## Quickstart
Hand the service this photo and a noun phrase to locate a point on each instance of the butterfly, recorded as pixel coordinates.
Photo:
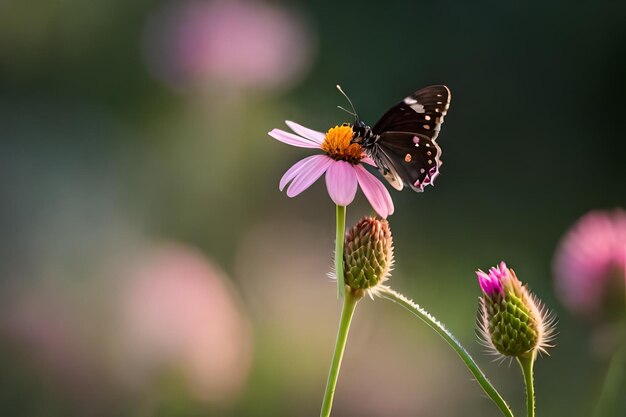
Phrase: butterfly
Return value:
(403, 142)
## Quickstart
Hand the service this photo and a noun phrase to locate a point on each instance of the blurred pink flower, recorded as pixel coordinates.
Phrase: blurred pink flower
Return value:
(341, 164)
(179, 311)
(241, 43)
(588, 257)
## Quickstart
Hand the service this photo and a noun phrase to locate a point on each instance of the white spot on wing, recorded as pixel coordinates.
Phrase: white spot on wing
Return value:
(418, 108)
(412, 103)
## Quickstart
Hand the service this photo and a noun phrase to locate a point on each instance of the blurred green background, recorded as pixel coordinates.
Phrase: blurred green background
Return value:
(150, 266)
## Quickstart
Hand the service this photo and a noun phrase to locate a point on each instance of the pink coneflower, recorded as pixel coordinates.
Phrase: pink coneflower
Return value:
(589, 256)
(341, 163)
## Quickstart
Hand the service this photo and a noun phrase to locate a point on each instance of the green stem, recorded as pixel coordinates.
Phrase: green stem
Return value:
(349, 305)
(339, 237)
(418, 311)
(527, 363)
(608, 401)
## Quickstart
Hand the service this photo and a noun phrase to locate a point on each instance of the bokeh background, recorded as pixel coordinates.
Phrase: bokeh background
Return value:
(150, 266)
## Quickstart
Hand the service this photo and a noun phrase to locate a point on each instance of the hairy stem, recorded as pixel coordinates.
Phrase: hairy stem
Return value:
(434, 324)
(527, 364)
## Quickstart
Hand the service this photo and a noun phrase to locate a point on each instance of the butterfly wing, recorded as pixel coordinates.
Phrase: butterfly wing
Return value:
(421, 112)
(405, 150)
(406, 158)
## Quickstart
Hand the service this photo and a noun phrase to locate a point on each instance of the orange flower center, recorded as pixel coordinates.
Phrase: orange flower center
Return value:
(337, 145)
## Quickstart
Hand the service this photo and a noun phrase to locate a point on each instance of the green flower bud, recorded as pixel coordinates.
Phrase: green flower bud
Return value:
(513, 322)
(368, 254)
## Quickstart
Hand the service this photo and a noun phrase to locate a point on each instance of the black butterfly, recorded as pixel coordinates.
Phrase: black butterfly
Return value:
(402, 143)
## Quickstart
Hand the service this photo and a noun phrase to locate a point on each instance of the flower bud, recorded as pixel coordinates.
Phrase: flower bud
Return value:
(368, 254)
(513, 322)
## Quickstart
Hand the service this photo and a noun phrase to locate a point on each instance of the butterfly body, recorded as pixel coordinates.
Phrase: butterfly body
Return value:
(402, 143)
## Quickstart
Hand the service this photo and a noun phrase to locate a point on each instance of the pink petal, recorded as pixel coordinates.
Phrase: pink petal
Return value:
(295, 169)
(314, 135)
(484, 281)
(375, 192)
(369, 161)
(291, 139)
(308, 174)
(341, 182)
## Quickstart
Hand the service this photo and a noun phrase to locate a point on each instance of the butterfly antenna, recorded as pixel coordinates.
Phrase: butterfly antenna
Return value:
(346, 110)
(353, 112)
